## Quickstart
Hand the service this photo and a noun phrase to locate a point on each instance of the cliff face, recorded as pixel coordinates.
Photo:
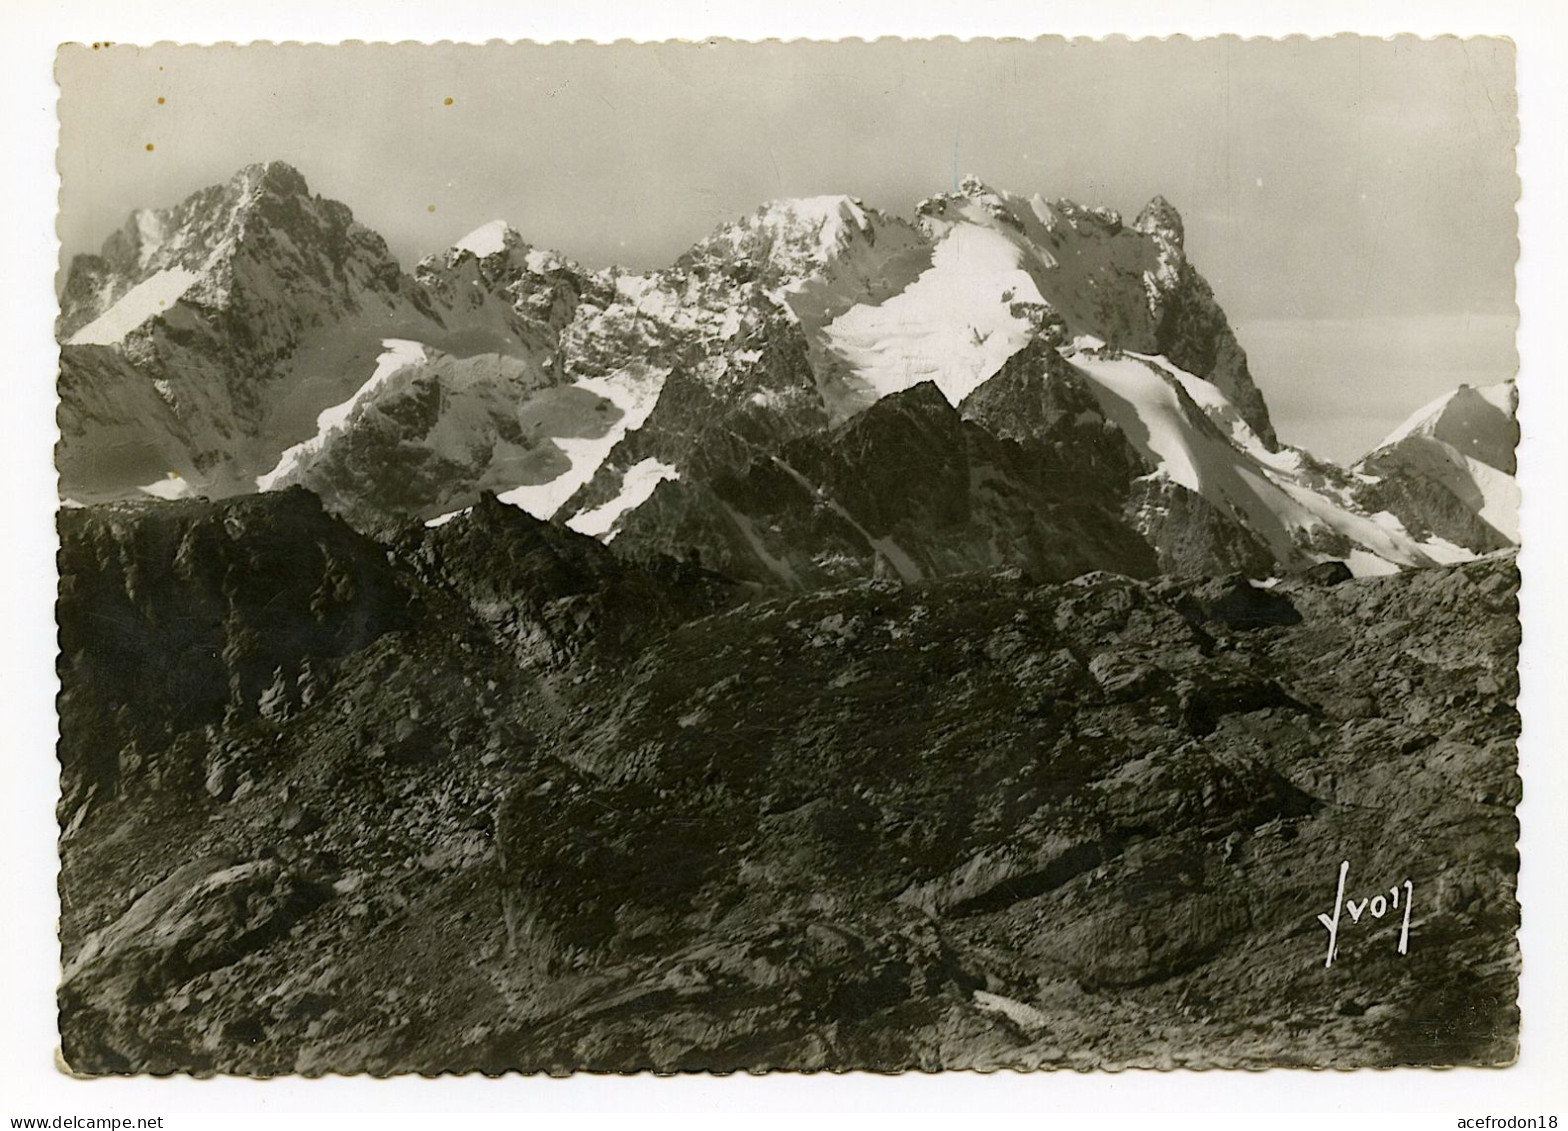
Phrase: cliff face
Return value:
(180, 618)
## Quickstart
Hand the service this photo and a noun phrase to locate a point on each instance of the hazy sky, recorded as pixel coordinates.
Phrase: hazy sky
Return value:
(1350, 200)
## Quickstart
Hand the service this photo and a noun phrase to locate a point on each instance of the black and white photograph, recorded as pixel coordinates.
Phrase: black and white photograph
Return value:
(806, 556)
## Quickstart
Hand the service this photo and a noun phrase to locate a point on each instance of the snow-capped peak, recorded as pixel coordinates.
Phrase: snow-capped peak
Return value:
(1478, 422)
(488, 239)
(1464, 441)
(821, 225)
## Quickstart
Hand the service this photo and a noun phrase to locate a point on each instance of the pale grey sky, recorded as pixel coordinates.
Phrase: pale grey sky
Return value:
(1343, 196)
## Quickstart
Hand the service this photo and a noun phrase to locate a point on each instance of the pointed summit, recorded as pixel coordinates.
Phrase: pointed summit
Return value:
(828, 220)
(1160, 218)
(972, 185)
(275, 178)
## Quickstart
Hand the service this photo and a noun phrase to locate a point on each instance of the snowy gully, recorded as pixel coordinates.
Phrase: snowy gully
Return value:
(1379, 905)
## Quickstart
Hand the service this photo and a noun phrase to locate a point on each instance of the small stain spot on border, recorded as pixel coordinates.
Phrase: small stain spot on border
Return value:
(160, 100)
(149, 147)
(430, 208)
(448, 102)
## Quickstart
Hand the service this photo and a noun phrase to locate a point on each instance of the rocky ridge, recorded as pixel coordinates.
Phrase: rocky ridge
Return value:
(538, 806)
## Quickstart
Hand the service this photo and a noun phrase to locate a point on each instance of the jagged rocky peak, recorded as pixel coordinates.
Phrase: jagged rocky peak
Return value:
(187, 252)
(1088, 219)
(188, 231)
(977, 201)
(208, 336)
(275, 178)
(938, 212)
(1160, 219)
(786, 240)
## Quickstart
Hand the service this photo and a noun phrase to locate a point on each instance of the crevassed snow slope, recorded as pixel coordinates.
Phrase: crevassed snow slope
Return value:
(637, 487)
(151, 296)
(953, 325)
(634, 390)
(399, 352)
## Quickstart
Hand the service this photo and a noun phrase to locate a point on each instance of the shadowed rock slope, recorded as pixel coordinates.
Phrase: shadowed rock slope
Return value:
(547, 808)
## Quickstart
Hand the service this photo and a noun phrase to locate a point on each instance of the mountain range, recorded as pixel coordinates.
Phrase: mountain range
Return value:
(815, 393)
(865, 643)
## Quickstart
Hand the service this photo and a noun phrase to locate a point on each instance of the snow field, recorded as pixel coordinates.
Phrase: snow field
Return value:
(151, 296)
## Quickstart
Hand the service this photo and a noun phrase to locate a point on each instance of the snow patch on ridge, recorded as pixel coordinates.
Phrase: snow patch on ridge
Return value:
(1217, 407)
(151, 296)
(637, 487)
(634, 390)
(1499, 396)
(398, 354)
(485, 240)
(443, 519)
(1500, 497)
(149, 233)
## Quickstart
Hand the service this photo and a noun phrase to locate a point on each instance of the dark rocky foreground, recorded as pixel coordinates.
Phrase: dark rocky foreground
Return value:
(493, 797)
